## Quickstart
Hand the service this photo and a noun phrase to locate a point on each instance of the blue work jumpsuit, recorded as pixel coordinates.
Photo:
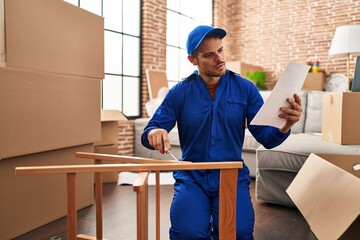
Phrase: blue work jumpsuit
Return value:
(210, 131)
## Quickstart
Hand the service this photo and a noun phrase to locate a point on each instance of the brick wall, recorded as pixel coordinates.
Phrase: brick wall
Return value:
(271, 33)
(227, 15)
(126, 138)
(153, 41)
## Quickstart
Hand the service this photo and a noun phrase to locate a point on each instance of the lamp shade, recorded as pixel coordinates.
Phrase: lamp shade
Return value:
(346, 40)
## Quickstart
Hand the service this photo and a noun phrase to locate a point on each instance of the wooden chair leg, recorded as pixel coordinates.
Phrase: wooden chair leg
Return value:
(146, 211)
(141, 188)
(227, 212)
(71, 207)
(157, 208)
(98, 203)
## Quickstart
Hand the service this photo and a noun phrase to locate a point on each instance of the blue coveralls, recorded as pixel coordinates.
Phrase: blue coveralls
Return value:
(209, 131)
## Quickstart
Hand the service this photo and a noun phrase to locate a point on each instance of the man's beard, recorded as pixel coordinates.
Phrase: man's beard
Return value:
(214, 73)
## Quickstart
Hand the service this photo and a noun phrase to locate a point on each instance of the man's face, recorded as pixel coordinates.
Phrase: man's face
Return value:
(210, 58)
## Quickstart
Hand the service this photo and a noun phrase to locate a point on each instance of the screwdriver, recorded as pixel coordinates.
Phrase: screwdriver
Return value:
(172, 155)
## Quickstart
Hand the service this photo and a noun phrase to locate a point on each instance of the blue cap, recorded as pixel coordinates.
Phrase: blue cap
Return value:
(197, 35)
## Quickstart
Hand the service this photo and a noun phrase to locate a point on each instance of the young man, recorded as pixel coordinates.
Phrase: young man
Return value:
(210, 108)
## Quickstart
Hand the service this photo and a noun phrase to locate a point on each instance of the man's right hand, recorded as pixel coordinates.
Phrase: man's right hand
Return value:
(159, 139)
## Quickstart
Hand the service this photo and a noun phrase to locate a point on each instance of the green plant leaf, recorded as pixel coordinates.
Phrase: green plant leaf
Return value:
(258, 78)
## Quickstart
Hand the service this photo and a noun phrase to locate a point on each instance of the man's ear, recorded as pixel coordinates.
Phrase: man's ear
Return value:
(192, 60)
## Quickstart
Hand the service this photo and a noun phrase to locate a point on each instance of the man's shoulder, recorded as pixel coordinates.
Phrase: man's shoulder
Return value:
(238, 78)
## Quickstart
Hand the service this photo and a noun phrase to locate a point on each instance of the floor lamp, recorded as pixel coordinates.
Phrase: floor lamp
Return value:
(345, 42)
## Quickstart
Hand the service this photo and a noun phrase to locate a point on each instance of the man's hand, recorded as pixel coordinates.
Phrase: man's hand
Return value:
(291, 114)
(159, 139)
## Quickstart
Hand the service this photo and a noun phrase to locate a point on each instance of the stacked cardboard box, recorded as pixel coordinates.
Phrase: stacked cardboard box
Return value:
(51, 71)
(2, 34)
(341, 118)
(109, 139)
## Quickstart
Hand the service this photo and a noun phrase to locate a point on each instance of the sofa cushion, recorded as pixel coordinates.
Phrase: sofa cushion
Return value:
(250, 143)
(300, 125)
(313, 113)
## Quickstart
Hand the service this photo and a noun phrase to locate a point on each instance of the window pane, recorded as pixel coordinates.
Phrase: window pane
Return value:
(131, 56)
(121, 18)
(74, 2)
(112, 15)
(113, 52)
(182, 17)
(111, 94)
(171, 84)
(186, 25)
(173, 5)
(186, 67)
(191, 8)
(93, 6)
(131, 96)
(172, 63)
(131, 17)
(172, 31)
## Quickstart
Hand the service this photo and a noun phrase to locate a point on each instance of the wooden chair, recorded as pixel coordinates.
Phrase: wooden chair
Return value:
(228, 185)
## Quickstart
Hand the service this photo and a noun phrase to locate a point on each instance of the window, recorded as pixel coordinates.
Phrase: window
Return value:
(121, 85)
(182, 17)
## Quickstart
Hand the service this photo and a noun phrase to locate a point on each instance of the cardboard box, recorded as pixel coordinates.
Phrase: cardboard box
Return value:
(108, 177)
(242, 68)
(314, 82)
(110, 127)
(109, 139)
(30, 201)
(341, 118)
(326, 191)
(2, 35)
(43, 111)
(54, 36)
(156, 80)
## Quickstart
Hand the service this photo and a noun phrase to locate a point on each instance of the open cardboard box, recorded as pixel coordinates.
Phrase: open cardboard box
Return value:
(109, 127)
(327, 192)
(108, 177)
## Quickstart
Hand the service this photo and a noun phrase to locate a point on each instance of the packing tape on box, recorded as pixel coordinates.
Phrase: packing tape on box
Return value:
(329, 133)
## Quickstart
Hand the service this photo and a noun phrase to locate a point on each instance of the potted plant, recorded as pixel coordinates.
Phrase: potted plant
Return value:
(258, 78)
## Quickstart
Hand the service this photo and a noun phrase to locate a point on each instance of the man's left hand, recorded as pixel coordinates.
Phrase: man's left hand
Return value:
(291, 114)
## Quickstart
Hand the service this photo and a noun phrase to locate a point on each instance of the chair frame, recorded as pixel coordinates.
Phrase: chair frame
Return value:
(227, 188)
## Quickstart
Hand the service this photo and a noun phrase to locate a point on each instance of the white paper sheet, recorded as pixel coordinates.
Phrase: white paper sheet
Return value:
(290, 82)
